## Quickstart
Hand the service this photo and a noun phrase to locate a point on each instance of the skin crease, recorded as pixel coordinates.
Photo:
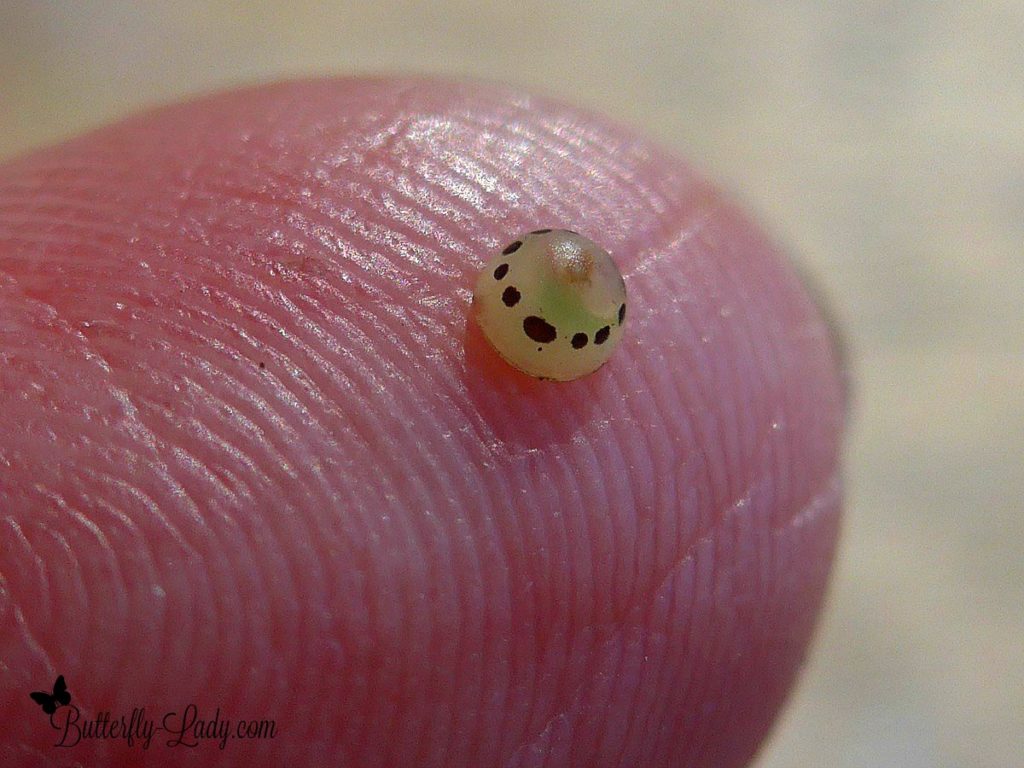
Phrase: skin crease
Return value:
(254, 456)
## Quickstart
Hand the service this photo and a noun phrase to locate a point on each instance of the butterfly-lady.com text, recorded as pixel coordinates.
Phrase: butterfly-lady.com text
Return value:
(184, 729)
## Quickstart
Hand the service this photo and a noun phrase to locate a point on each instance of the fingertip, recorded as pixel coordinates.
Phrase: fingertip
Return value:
(624, 565)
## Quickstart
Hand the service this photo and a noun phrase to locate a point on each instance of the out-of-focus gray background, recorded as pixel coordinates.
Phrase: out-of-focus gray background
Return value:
(882, 141)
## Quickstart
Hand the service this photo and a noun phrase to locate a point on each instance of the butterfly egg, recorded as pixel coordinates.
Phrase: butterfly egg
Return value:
(552, 304)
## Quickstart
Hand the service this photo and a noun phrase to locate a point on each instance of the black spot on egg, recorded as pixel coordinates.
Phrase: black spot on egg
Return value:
(579, 341)
(510, 297)
(602, 335)
(622, 313)
(512, 247)
(540, 231)
(539, 329)
(500, 271)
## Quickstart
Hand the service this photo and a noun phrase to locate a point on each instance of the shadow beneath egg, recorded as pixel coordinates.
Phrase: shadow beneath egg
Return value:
(519, 410)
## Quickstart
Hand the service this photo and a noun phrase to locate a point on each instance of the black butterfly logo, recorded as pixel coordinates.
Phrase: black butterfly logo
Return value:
(50, 701)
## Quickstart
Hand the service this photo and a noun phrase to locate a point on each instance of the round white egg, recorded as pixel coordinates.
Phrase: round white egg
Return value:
(552, 304)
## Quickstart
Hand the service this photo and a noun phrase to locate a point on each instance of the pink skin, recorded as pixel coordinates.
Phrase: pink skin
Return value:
(384, 538)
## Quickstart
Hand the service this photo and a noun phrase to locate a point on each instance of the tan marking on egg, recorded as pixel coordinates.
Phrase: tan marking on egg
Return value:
(571, 263)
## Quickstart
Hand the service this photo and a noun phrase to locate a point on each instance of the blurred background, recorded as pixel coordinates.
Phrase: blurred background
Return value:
(882, 142)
